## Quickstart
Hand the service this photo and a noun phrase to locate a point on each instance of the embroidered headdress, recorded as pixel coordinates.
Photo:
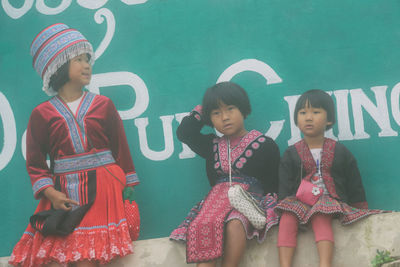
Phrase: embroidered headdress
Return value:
(55, 46)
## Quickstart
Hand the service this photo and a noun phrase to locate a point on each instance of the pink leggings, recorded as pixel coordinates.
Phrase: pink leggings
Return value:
(287, 235)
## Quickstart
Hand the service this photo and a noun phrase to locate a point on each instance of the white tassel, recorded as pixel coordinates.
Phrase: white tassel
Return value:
(62, 58)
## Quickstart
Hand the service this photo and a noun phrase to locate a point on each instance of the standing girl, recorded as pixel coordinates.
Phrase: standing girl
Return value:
(333, 173)
(213, 228)
(80, 217)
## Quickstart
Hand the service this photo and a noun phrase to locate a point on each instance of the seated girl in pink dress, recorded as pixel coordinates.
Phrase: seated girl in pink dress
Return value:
(214, 229)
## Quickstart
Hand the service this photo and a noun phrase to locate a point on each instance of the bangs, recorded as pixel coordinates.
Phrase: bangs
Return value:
(310, 101)
(219, 97)
(317, 99)
(228, 93)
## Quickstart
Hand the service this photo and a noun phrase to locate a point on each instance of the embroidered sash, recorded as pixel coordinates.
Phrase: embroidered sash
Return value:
(328, 151)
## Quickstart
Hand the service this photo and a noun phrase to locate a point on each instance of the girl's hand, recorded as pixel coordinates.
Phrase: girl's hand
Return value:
(58, 199)
(128, 192)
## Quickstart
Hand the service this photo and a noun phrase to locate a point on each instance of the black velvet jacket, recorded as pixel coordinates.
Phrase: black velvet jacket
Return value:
(344, 171)
(260, 159)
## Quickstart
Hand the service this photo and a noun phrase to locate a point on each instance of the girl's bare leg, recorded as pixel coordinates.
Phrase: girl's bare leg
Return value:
(207, 264)
(286, 256)
(325, 251)
(235, 243)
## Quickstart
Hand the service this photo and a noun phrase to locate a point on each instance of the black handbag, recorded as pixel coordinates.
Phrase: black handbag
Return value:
(63, 222)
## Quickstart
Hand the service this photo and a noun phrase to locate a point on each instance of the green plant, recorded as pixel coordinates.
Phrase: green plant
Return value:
(381, 257)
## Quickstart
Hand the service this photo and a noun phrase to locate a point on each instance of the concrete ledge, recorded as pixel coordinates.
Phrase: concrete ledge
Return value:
(392, 264)
(355, 245)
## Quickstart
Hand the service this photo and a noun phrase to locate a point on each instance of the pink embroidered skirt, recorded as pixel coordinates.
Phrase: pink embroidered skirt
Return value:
(327, 205)
(203, 228)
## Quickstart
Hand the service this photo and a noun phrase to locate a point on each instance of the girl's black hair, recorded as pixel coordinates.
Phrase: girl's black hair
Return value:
(230, 94)
(60, 77)
(317, 99)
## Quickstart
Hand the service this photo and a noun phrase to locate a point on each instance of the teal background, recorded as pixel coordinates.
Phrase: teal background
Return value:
(180, 48)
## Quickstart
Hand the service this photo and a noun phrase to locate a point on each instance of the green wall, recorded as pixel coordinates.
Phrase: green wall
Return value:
(165, 53)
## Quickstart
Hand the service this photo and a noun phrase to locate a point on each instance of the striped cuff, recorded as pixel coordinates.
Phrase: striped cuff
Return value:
(197, 112)
(40, 185)
(132, 179)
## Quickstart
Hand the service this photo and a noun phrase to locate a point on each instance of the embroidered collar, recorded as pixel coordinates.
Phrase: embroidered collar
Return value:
(239, 154)
(77, 132)
(327, 155)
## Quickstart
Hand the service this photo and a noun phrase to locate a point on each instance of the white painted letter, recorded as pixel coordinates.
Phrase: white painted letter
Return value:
(267, 72)
(379, 112)
(10, 132)
(44, 9)
(23, 145)
(141, 124)
(123, 78)
(16, 13)
(133, 2)
(91, 4)
(250, 65)
(275, 129)
(395, 99)
(343, 120)
(99, 18)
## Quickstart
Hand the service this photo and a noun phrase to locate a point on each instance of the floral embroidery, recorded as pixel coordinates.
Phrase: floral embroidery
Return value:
(215, 148)
(248, 153)
(251, 141)
(85, 243)
(83, 162)
(255, 145)
(239, 164)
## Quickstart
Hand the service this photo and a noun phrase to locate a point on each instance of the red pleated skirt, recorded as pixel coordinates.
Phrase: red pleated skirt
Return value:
(101, 235)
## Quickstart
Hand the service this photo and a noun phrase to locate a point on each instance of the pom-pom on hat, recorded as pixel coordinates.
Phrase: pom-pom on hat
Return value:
(55, 46)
